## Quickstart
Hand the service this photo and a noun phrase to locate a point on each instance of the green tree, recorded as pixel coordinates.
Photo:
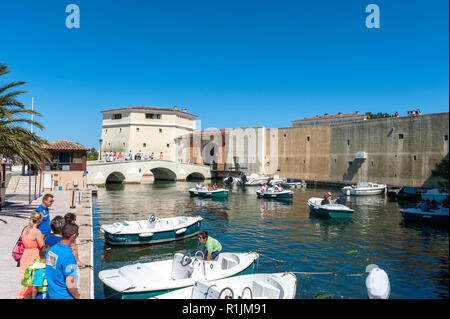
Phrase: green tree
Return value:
(15, 140)
(92, 154)
(379, 115)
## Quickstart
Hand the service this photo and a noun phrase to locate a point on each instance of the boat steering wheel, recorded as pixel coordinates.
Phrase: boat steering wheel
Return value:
(186, 259)
(227, 296)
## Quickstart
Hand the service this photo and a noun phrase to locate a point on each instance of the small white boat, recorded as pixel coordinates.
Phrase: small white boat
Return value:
(204, 192)
(152, 230)
(146, 280)
(253, 286)
(272, 194)
(329, 210)
(301, 184)
(364, 188)
(435, 194)
(277, 180)
(377, 283)
(256, 180)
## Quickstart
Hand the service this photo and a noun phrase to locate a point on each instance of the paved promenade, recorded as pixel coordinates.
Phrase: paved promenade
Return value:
(14, 217)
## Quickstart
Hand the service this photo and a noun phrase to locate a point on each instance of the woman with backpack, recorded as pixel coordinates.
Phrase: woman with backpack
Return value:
(33, 240)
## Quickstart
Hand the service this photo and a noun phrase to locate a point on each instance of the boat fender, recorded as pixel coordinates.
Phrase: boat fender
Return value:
(180, 231)
(146, 235)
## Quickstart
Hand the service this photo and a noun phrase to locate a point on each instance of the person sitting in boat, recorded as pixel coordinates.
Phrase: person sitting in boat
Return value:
(211, 247)
(214, 187)
(421, 205)
(264, 188)
(198, 186)
(341, 200)
(424, 206)
(326, 199)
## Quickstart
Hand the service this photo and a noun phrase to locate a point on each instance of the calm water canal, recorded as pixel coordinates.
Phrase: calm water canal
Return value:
(415, 257)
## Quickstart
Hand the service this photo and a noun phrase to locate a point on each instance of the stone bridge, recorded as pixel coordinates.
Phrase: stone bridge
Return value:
(132, 172)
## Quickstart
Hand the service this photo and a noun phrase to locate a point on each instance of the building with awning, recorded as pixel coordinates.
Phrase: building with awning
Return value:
(67, 169)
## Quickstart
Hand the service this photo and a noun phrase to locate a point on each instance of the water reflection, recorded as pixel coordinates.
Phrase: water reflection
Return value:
(288, 237)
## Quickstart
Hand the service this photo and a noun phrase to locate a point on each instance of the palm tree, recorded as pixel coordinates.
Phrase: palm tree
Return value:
(15, 140)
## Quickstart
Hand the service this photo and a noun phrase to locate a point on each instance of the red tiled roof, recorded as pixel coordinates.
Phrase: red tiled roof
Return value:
(147, 108)
(337, 116)
(63, 145)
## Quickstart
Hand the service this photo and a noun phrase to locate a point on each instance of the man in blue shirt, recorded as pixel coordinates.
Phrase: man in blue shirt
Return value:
(44, 226)
(61, 266)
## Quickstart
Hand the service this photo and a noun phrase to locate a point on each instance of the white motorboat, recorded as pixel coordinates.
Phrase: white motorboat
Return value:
(301, 184)
(256, 180)
(204, 192)
(152, 230)
(377, 283)
(435, 194)
(329, 210)
(277, 180)
(145, 280)
(272, 194)
(364, 188)
(253, 286)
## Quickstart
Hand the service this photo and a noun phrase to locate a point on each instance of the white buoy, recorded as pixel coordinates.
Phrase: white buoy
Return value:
(377, 283)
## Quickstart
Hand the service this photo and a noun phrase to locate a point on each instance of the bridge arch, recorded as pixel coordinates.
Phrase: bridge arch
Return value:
(162, 173)
(115, 178)
(195, 176)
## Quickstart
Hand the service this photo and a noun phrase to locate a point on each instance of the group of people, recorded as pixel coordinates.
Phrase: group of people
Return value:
(277, 188)
(113, 156)
(49, 263)
(200, 187)
(328, 200)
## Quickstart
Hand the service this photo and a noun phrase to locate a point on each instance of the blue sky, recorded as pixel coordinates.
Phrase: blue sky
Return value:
(232, 63)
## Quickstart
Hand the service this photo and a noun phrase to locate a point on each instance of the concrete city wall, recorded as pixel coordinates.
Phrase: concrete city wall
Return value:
(401, 151)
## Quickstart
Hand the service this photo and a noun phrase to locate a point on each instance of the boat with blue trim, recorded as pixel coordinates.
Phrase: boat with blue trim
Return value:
(329, 210)
(272, 194)
(431, 216)
(146, 280)
(152, 230)
(204, 192)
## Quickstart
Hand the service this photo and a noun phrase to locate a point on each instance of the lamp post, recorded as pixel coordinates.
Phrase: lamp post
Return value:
(100, 150)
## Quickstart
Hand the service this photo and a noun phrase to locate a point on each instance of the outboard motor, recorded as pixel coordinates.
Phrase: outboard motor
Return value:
(243, 178)
(377, 283)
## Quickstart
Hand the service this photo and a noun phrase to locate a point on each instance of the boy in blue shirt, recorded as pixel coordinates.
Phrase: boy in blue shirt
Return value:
(44, 226)
(61, 266)
(56, 226)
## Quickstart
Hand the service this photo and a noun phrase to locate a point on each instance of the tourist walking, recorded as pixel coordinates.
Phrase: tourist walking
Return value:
(61, 266)
(56, 226)
(32, 240)
(47, 201)
(211, 247)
